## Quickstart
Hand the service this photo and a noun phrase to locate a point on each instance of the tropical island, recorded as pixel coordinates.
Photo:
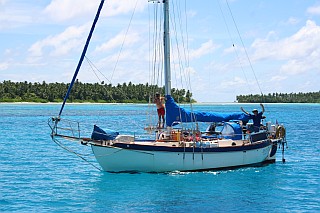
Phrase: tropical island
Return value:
(123, 93)
(85, 92)
(310, 97)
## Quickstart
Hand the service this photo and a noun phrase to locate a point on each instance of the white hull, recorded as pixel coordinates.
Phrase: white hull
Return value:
(113, 159)
(179, 149)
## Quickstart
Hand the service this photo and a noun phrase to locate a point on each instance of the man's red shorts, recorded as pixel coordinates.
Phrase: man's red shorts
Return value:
(161, 111)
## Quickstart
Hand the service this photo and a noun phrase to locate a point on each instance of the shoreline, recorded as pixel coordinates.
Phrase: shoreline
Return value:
(86, 103)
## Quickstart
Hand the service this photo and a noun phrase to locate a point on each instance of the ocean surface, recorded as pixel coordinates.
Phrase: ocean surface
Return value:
(37, 175)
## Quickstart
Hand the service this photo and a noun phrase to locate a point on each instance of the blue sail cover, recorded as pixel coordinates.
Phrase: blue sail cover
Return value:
(174, 113)
(100, 134)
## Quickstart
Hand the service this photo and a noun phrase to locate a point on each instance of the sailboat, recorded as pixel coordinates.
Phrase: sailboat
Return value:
(226, 143)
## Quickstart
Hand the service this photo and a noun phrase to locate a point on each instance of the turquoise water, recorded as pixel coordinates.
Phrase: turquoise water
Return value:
(37, 175)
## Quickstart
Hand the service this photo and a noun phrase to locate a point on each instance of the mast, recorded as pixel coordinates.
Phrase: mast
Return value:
(82, 56)
(166, 44)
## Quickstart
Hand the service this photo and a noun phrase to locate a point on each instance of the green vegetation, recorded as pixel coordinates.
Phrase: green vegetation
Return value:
(84, 92)
(123, 93)
(310, 97)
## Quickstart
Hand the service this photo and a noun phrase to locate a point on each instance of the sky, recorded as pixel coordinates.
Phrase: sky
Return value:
(225, 48)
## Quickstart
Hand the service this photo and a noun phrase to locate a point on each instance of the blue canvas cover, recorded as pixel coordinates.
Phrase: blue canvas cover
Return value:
(174, 113)
(100, 134)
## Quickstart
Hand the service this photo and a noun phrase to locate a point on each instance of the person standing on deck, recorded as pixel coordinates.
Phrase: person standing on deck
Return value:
(159, 101)
(256, 117)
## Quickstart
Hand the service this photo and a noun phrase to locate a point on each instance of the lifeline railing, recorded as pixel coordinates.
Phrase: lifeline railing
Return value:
(64, 127)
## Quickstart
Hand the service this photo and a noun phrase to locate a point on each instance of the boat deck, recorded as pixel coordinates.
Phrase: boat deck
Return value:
(170, 143)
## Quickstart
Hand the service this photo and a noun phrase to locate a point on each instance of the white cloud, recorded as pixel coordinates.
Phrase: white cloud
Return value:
(116, 7)
(12, 16)
(234, 49)
(66, 9)
(207, 47)
(278, 78)
(128, 65)
(61, 10)
(315, 10)
(62, 43)
(236, 81)
(301, 50)
(13, 20)
(303, 43)
(297, 66)
(117, 41)
(127, 55)
(229, 50)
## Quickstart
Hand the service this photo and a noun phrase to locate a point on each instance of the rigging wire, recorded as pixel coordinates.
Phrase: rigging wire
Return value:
(155, 57)
(156, 75)
(174, 26)
(187, 60)
(158, 49)
(150, 118)
(188, 57)
(187, 34)
(73, 152)
(183, 71)
(156, 54)
(234, 47)
(93, 67)
(244, 47)
(120, 51)
(82, 56)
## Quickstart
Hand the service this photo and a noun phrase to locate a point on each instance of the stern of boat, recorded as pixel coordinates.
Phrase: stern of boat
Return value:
(277, 134)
